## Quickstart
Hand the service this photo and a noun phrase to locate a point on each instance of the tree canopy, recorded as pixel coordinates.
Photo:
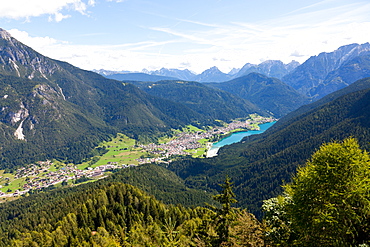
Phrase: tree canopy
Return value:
(328, 202)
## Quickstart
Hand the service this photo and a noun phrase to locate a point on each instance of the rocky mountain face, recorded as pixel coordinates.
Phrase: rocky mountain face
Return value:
(352, 70)
(19, 60)
(323, 74)
(185, 74)
(212, 75)
(270, 68)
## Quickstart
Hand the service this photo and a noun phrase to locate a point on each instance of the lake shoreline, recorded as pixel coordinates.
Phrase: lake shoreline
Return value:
(214, 147)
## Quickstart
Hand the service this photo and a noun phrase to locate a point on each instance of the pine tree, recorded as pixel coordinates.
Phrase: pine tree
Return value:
(226, 214)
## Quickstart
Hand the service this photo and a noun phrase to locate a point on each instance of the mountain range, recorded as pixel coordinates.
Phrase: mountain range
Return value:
(270, 68)
(318, 76)
(109, 212)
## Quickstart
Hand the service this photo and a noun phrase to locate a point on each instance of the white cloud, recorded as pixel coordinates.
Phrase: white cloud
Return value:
(58, 17)
(18, 9)
(131, 56)
(36, 43)
(92, 2)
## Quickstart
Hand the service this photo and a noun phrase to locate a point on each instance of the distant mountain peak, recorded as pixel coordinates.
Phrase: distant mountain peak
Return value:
(177, 73)
(272, 62)
(214, 68)
(271, 68)
(213, 74)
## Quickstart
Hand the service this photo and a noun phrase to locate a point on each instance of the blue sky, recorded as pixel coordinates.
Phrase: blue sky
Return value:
(193, 34)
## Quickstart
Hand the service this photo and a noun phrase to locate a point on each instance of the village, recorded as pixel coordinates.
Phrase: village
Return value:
(191, 140)
(37, 176)
(44, 174)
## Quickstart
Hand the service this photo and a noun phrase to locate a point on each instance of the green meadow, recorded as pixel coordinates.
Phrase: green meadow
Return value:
(122, 150)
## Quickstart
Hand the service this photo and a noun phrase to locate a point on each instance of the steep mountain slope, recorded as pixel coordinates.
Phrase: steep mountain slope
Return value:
(214, 103)
(353, 70)
(260, 164)
(309, 78)
(291, 117)
(37, 123)
(268, 93)
(112, 214)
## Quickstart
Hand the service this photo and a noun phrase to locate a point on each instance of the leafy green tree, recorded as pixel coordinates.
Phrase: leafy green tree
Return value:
(328, 202)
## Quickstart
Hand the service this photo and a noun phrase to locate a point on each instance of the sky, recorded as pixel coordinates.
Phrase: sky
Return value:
(132, 35)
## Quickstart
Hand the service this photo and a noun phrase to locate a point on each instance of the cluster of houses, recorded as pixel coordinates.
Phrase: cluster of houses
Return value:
(190, 140)
(38, 176)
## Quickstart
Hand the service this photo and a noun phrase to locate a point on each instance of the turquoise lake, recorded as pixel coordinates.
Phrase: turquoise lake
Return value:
(238, 136)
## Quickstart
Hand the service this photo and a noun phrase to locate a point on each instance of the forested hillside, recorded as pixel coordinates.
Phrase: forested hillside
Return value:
(162, 183)
(210, 102)
(259, 165)
(268, 93)
(116, 214)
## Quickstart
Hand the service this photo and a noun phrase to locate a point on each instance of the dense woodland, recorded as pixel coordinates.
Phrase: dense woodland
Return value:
(207, 101)
(115, 214)
(266, 92)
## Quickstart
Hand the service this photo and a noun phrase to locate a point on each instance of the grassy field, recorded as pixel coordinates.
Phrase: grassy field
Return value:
(122, 150)
(197, 153)
(191, 128)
